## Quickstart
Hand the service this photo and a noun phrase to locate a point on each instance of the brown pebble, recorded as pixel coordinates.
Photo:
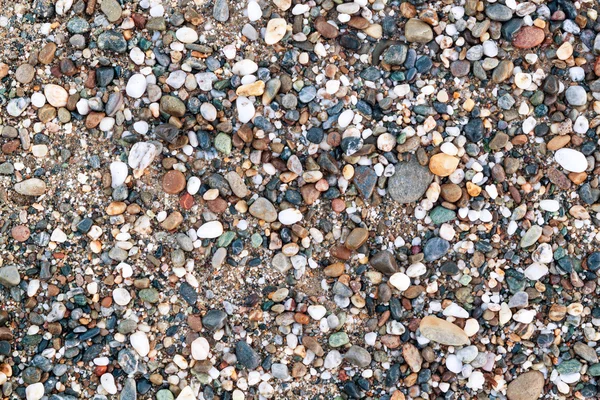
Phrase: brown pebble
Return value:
(450, 192)
(93, 119)
(338, 205)
(173, 182)
(46, 55)
(10, 147)
(334, 270)
(326, 30)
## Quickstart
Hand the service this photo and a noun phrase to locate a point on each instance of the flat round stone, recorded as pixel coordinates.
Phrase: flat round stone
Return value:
(20, 233)
(173, 182)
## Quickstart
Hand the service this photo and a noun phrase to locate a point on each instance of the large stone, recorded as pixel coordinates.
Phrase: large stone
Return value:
(409, 182)
(31, 187)
(441, 331)
(528, 37)
(9, 276)
(418, 31)
(527, 386)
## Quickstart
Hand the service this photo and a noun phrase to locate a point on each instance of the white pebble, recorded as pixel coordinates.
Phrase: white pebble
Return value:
(210, 230)
(571, 160)
(290, 216)
(186, 35)
(200, 349)
(121, 296)
(193, 185)
(136, 86)
(118, 173)
(400, 281)
(254, 11)
(139, 341)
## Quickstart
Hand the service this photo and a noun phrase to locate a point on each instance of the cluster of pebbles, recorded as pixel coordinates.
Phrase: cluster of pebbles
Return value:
(299, 199)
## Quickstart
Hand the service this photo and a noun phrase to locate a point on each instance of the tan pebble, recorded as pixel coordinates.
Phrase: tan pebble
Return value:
(211, 194)
(473, 189)
(578, 177)
(564, 51)
(442, 164)
(251, 89)
(116, 208)
(558, 142)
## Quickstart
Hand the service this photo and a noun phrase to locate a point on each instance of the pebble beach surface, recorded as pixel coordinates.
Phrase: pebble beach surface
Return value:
(299, 199)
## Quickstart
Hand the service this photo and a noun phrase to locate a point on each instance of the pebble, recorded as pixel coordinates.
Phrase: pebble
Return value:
(417, 31)
(9, 276)
(275, 30)
(203, 201)
(56, 95)
(571, 160)
(443, 164)
(136, 86)
(527, 386)
(200, 349)
(221, 10)
(263, 209)
(186, 35)
(31, 187)
(443, 332)
(409, 182)
(246, 355)
(210, 230)
(576, 96)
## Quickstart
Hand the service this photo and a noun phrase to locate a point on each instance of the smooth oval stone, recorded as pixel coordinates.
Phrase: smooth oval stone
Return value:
(31, 187)
(443, 332)
(571, 160)
(527, 386)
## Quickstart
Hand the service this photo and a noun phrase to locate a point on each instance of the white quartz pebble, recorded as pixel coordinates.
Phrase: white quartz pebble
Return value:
(571, 160)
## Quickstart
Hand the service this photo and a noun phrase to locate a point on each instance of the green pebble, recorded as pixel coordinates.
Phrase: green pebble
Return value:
(465, 280)
(223, 143)
(339, 339)
(226, 239)
(440, 214)
(164, 394)
(569, 367)
(149, 295)
(256, 240)
(594, 370)
(144, 45)
(298, 85)
(221, 85)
